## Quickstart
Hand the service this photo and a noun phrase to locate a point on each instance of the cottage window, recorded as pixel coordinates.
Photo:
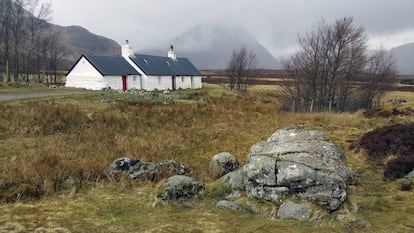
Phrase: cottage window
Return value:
(182, 79)
(159, 79)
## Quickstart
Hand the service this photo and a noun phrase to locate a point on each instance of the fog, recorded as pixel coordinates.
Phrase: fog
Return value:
(275, 23)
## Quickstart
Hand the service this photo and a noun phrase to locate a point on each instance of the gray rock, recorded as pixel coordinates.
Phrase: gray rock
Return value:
(122, 166)
(266, 192)
(261, 170)
(299, 161)
(180, 187)
(235, 179)
(410, 175)
(137, 169)
(222, 164)
(69, 183)
(228, 205)
(295, 211)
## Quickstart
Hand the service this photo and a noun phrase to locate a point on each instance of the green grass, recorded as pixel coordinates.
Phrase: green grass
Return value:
(44, 141)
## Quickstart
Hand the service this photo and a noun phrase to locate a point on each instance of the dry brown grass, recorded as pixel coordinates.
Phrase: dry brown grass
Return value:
(44, 142)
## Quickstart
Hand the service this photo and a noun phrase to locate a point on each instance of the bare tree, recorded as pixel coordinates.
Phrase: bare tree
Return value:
(22, 37)
(18, 32)
(6, 18)
(54, 54)
(241, 66)
(380, 74)
(37, 18)
(323, 74)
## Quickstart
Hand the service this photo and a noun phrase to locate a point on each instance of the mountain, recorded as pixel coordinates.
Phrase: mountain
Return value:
(404, 56)
(77, 40)
(211, 46)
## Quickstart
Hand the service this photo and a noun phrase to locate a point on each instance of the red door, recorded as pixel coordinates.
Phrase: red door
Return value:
(124, 83)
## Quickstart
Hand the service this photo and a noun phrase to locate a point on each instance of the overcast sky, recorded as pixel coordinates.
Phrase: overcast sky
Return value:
(275, 23)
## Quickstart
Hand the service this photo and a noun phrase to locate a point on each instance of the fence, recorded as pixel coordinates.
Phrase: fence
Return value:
(45, 78)
(311, 106)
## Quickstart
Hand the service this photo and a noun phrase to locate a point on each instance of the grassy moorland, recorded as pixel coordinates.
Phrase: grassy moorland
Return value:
(45, 141)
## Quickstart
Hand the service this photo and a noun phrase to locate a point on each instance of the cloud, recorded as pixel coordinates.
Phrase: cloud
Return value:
(276, 23)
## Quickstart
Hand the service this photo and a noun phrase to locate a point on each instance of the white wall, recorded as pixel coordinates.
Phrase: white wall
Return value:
(197, 83)
(84, 75)
(183, 82)
(115, 82)
(134, 82)
(151, 83)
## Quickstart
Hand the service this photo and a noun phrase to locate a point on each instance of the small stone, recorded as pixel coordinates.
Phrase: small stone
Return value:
(410, 175)
(222, 164)
(181, 187)
(294, 211)
(228, 205)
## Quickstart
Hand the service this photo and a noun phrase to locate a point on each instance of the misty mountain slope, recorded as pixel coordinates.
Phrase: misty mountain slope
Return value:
(211, 47)
(404, 56)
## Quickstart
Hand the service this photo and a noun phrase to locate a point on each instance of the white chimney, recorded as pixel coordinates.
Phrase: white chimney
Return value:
(171, 53)
(127, 50)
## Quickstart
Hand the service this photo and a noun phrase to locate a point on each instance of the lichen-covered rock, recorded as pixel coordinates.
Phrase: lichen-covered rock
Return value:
(222, 164)
(295, 211)
(270, 193)
(235, 179)
(228, 205)
(299, 161)
(261, 170)
(122, 166)
(180, 187)
(137, 169)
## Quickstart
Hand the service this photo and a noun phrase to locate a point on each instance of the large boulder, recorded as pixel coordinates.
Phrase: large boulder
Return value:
(222, 164)
(294, 211)
(137, 169)
(180, 187)
(296, 160)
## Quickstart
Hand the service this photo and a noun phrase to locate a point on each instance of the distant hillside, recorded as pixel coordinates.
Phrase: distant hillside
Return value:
(404, 56)
(211, 46)
(77, 40)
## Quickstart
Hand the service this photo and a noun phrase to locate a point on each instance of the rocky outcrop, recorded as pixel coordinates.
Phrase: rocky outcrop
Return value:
(137, 169)
(297, 161)
(294, 211)
(222, 164)
(180, 188)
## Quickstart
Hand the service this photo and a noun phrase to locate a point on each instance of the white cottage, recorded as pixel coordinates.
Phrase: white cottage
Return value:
(133, 71)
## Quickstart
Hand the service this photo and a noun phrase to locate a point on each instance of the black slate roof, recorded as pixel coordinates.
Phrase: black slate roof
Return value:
(110, 65)
(164, 66)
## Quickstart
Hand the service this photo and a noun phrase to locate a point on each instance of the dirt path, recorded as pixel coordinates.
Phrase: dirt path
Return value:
(16, 96)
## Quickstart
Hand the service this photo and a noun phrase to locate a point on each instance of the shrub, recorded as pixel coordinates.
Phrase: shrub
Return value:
(394, 139)
(399, 167)
(406, 186)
